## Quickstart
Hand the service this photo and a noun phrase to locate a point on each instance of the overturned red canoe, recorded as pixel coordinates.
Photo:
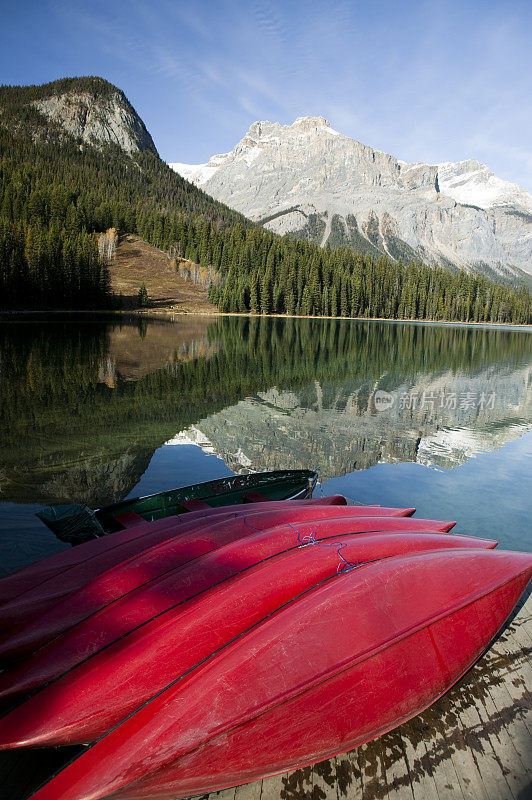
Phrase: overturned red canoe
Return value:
(148, 602)
(116, 548)
(84, 596)
(97, 691)
(97, 555)
(31, 576)
(341, 664)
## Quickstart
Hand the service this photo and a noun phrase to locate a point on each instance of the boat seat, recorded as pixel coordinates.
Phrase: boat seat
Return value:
(130, 520)
(256, 497)
(195, 505)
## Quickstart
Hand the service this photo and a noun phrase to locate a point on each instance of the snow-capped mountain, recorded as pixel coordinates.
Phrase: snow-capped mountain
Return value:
(306, 179)
(472, 183)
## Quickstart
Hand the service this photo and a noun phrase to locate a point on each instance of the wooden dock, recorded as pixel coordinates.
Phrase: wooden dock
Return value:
(475, 743)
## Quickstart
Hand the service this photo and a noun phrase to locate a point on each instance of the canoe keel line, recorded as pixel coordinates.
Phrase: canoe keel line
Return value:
(222, 645)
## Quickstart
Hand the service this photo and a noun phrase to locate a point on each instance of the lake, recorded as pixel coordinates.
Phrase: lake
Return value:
(402, 414)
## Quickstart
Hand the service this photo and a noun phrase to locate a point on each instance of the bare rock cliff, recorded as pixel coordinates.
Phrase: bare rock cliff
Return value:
(308, 180)
(98, 119)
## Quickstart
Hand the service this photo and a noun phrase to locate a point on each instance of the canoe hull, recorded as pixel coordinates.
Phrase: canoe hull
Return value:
(28, 578)
(337, 666)
(93, 688)
(97, 584)
(374, 694)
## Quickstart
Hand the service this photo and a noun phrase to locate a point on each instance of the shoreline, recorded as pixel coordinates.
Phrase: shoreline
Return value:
(6, 315)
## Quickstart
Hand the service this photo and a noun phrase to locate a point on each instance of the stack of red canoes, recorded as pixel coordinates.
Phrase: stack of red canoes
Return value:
(229, 644)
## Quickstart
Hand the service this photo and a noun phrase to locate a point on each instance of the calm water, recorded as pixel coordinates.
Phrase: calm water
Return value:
(398, 414)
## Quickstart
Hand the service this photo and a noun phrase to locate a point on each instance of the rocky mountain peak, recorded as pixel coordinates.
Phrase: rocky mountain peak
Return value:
(310, 123)
(89, 108)
(98, 120)
(307, 180)
(262, 129)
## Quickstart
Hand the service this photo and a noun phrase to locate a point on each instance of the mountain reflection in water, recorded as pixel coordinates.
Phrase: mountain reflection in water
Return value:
(84, 406)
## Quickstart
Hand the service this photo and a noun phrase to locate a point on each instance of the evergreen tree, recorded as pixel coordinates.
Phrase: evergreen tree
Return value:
(142, 297)
(55, 198)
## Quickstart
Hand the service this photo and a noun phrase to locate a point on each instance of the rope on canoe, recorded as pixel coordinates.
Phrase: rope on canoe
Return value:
(343, 565)
(310, 539)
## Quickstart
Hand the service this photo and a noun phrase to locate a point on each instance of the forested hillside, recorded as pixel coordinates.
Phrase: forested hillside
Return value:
(56, 190)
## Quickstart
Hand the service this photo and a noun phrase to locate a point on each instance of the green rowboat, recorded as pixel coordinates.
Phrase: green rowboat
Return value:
(252, 487)
(74, 523)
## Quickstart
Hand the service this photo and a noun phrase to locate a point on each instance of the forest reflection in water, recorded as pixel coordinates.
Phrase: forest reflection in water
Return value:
(85, 405)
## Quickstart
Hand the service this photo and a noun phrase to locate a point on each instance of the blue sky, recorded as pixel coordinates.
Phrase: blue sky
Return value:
(425, 81)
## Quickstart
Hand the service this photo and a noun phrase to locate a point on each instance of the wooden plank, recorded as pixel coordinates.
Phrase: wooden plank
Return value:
(349, 776)
(395, 766)
(249, 791)
(518, 675)
(296, 785)
(522, 620)
(482, 764)
(413, 737)
(226, 794)
(442, 765)
(511, 737)
(468, 756)
(373, 770)
(324, 780)
(509, 762)
(512, 702)
(486, 743)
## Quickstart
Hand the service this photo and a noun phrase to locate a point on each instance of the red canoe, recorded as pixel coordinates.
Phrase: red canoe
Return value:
(117, 547)
(339, 665)
(29, 577)
(90, 696)
(85, 596)
(142, 605)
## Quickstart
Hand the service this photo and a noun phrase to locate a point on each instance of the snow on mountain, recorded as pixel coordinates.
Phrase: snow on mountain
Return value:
(249, 148)
(307, 179)
(199, 173)
(473, 183)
